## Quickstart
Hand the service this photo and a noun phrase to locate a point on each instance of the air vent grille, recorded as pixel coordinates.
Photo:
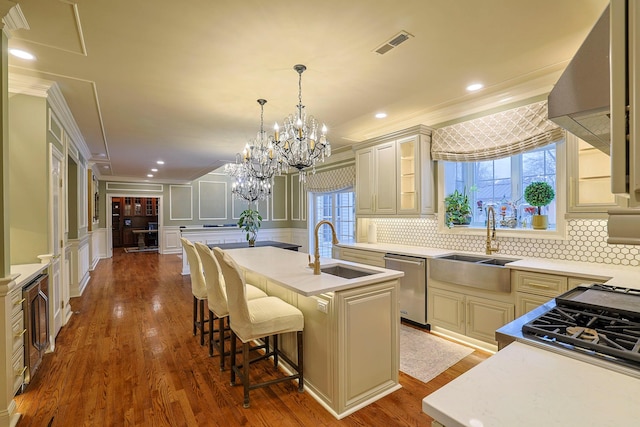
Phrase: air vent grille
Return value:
(392, 43)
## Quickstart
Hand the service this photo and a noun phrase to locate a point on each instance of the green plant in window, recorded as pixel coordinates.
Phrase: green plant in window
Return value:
(457, 208)
(539, 194)
(250, 222)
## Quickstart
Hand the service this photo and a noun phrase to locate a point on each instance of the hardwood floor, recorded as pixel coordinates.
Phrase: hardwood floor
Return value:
(128, 357)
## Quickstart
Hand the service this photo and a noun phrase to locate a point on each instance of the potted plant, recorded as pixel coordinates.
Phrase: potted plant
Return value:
(457, 209)
(539, 194)
(250, 221)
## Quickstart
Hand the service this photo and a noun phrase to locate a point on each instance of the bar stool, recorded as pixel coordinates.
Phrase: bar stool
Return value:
(198, 287)
(217, 299)
(255, 319)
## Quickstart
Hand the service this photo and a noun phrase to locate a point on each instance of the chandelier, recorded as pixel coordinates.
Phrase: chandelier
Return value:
(259, 157)
(245, 186)
(301, 143)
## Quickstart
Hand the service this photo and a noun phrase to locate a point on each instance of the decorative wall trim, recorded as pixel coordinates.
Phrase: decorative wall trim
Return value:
(204, 194)
(134, 186)
(181, 200)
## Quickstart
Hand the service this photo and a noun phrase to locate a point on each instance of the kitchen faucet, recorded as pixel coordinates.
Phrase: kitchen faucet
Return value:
(491, 235)
(316, 263)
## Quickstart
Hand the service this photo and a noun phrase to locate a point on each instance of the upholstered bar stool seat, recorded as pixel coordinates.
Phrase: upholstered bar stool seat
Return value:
(217, 299)
(259, 319)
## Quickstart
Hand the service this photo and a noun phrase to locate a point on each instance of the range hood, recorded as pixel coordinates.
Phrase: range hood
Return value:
(579, 102)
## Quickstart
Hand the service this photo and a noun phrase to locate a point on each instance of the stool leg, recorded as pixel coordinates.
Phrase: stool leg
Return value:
(221, 341)
(233, 358)
(300, 361)
(211, 336)
(195, 315)
(245, 373)
(202, 321)
(275, 351)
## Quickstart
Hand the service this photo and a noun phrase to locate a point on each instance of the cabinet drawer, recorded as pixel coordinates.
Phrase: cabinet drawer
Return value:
(17, 331)
(577, 281)
(540, 283)
(363, 257)
(16, 302)
(527, 302)
(18, 368)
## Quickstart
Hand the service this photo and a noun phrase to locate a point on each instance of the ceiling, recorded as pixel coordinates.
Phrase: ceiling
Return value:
(150, 80)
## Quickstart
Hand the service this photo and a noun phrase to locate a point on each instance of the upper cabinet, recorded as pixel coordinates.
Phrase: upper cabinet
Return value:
(394, 174)
(589, 179)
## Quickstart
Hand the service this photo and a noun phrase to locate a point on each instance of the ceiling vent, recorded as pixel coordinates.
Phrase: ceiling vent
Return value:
(395, 41)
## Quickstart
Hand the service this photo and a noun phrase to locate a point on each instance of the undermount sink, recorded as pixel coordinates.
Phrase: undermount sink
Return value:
(473, 271)
(346, 271)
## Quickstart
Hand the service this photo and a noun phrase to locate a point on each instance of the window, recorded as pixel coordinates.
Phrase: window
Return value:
(339, 208)
(501, 183)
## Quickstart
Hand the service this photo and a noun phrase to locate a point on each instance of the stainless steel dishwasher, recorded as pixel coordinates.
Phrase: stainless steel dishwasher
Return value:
(413, 287)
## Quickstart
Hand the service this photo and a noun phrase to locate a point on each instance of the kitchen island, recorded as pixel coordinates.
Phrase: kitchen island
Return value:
(351, 326)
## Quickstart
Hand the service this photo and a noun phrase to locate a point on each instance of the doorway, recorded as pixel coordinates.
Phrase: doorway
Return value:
(135, 222)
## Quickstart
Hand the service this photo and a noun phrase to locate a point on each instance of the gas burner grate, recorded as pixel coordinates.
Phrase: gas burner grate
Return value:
(605, 332)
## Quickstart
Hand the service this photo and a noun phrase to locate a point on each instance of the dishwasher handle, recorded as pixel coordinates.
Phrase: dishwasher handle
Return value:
(404, 260)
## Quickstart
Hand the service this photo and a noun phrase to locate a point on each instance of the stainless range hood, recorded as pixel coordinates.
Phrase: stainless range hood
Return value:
(579, 102)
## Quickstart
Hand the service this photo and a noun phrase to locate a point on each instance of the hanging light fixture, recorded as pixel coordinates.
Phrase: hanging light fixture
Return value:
(301, 143)
(245, 186)
(259, 156)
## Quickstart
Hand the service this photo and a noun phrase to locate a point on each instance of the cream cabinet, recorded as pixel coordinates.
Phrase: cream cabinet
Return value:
(394, 174)
(589, 180)
(375, 179)
(473, 316)
(534, 289)
(18, 330)
(360, 256)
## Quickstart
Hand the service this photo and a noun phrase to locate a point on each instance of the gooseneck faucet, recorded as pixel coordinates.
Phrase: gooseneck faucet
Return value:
(491, 231)
(316, 263)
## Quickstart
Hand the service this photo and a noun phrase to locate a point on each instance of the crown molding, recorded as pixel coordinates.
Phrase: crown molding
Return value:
(60, 107)
(14, 19)
(27, 85)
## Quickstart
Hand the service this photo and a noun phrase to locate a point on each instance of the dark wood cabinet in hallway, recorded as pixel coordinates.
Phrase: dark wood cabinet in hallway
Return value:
(128, 357)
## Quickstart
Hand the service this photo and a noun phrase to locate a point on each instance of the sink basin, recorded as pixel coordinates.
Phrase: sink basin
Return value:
(465, 258)
(498, 261)
(346, 271)
(474, 271)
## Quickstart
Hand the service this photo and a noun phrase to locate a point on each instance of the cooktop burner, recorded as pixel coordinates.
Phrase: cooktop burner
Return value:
(600, 320)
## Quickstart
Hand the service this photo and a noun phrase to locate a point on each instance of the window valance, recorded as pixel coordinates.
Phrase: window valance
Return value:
(332, 180)
(496, 136)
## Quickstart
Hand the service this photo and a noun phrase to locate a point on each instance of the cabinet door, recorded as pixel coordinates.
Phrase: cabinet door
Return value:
(484, 316)
(527, 302)
(385, 178)
(446, 309)
(589, 178)
(408, 191)
(364, 181)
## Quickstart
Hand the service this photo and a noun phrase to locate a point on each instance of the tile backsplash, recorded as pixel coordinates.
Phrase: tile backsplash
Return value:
(587, 241)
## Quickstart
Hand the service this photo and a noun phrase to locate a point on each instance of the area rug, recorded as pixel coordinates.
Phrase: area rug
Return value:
(425, 356)
(134, 250)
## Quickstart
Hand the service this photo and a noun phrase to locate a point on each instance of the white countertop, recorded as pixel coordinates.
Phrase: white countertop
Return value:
(614, 274)
(23, 273)
(524, 386)
(290, 269)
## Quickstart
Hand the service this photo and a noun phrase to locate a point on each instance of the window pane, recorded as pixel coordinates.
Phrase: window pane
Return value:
(339, 208)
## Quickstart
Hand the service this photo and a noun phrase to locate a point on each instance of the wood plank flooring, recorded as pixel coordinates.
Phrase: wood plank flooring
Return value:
(128, 357)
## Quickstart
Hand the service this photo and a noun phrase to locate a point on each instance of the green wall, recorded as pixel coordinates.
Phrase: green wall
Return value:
(29, 180)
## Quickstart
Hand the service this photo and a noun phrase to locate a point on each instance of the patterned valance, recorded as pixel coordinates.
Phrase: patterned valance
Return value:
(331, 180)
(496, 136)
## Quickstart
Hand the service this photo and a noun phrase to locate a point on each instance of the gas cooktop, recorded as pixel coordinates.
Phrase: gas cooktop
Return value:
(602, 321)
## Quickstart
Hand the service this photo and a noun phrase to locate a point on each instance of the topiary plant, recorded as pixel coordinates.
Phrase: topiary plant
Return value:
(539, 194)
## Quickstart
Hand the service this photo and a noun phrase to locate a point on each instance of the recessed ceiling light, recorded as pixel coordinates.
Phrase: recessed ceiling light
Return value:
(160, 162)
(475, 86)
(150, 175)
(154, 170)
(381, 115)
(22, 54)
